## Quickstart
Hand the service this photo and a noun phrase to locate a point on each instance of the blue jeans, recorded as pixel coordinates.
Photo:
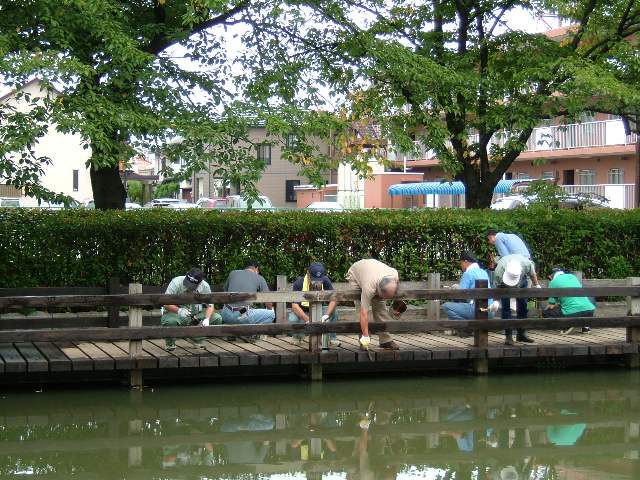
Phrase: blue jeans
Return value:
(253, 316)
(293, 318)
(522, 310)
(459, 311)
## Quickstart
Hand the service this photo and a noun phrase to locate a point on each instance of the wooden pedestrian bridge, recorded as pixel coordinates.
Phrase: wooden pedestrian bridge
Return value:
(97, 347)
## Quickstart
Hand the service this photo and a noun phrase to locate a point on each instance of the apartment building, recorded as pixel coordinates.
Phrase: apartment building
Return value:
(68, 172)
(594, 155)
(278, 182)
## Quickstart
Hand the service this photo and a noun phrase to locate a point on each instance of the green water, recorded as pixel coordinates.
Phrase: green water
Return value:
(569, 425)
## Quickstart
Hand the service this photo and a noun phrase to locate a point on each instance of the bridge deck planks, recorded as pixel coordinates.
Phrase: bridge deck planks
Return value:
(28, 357)
(58, 361)
(36, 362)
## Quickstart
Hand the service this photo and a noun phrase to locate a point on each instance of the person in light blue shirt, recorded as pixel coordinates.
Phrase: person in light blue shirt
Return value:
(508, 244)
(471, 272)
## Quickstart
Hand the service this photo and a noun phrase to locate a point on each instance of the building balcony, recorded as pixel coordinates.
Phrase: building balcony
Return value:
(596, 138)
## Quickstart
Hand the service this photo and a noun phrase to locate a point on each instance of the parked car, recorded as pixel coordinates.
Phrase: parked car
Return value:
(161, 202)
(238, 202)
(325, 207)
(59, 206)
(212, 203)
(181, 206)
(132, 206)
(510, 202)
(10, 202)
(576, 201)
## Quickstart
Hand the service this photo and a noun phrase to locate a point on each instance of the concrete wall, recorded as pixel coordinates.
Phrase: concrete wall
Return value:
(66, 152)
(307, 196)
(376, 193)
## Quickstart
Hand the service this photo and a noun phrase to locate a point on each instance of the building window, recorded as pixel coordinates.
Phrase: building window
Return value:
(264, 153)
(587, 177)
(523, 176)
(508, 176)
(76, 180)
(616, 175)
(292, 140)
(290, 193)
(548, 176)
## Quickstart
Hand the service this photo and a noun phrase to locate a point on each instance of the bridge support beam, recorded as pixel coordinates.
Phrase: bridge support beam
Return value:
(135, 346)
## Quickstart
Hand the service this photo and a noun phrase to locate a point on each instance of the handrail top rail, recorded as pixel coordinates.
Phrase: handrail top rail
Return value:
(315, 296)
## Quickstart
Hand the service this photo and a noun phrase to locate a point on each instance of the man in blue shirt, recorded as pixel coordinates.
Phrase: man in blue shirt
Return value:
(471, 272)
(508, 244)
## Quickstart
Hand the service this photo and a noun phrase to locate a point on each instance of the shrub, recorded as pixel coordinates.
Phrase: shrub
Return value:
(166, 190)
(78, 248)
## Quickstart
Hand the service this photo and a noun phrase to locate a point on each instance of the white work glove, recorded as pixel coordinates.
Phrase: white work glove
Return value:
(205, 322)
(324, 318)
(364, 342)
(493, 308)
(183, 313)
(364, 424)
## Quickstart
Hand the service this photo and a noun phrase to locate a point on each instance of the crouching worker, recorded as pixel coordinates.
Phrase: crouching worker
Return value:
(184, 315)
(566, 307)
(300, 311)
(471, 272)
(378, 282)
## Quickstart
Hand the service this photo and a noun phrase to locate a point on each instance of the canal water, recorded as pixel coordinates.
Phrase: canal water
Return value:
(570, 425)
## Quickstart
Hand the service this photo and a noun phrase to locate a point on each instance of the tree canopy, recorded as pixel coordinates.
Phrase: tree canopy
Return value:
(130, 76)
(456, 74)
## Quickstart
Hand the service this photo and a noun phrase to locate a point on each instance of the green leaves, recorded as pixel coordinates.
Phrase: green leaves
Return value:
(152, 246)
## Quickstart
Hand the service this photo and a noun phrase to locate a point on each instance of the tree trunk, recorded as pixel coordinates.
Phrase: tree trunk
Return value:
(478, 195)
(108, 190)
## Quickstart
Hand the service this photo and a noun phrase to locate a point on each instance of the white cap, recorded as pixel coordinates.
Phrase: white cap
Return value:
(512, 273)
(509, 473)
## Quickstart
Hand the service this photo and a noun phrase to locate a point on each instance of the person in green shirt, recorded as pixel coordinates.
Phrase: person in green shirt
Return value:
(183, 315)
(565, 307)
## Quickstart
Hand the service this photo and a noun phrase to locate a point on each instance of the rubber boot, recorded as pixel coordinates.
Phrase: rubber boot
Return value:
(508, 340)
(522, 336)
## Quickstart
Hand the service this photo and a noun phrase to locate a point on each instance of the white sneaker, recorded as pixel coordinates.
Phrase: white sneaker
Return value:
(334, 343)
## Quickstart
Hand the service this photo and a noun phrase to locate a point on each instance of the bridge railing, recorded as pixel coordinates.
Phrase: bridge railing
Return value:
(136, 300)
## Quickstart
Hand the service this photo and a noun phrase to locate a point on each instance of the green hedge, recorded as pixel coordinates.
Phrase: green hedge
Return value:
(78, 248)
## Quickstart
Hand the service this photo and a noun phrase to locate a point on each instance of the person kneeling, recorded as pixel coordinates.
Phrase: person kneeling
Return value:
(300, 311)
(184, 315)
(471, 272)
(567, 307)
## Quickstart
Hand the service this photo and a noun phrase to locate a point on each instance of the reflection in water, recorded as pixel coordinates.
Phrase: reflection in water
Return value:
(563, 426)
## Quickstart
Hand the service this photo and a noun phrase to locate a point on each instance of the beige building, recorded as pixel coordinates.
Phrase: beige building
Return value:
(278, 181)
(68, 172)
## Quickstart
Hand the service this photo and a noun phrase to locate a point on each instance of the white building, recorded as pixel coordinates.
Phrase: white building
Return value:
(68, 172)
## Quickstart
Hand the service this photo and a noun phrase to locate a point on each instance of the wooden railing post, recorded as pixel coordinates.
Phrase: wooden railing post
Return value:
(315, 340)
(281, 307)
(135, 346)
(481, 336)
(433, 283)
(113, 318)
(633, 333)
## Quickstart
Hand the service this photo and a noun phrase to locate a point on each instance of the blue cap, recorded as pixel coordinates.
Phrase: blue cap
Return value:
(317, 270)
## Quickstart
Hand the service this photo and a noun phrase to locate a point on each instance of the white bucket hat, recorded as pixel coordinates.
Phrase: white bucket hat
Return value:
(512, 274)
(509, 473)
